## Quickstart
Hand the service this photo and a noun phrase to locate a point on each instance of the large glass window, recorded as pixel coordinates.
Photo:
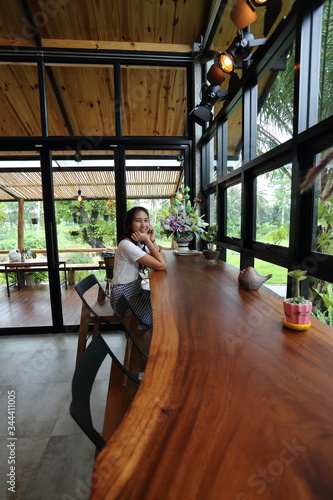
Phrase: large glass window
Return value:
(85, 227)
(152, 179)
(326, 63)
(234, 208)
(235, 153)
(276, 105)
(273, 192)
(278, 281)
(233, 258)
(211, 161)
(22, 228)
(211, 209)
(324, 221)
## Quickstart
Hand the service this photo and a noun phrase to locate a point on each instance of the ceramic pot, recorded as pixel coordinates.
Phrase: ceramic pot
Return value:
(183, 242)
(297, 314)
(15, 255)
(249, 278)
(211, 254)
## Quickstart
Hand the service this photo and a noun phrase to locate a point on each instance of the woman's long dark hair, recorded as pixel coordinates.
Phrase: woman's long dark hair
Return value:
(129, 219)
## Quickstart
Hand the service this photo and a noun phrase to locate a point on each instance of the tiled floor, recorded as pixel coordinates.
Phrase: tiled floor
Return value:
(53, 458)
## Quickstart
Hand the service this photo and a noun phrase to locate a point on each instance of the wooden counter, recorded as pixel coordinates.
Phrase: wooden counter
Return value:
(233, 405)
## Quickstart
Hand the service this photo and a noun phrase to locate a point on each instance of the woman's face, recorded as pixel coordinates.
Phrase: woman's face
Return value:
(140, 222)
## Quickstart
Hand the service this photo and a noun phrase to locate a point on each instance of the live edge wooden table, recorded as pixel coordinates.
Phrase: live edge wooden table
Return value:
(233, 405)
(30, 265)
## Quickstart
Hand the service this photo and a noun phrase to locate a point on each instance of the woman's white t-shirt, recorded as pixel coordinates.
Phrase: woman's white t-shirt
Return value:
(126, 267)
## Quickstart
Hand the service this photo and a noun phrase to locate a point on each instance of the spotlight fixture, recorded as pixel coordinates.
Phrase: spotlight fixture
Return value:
(244, 12)
(79, 196)
(215, 75)
(238, 53)
(210, 95)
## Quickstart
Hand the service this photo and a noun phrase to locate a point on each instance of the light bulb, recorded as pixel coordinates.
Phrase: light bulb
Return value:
(226, 63)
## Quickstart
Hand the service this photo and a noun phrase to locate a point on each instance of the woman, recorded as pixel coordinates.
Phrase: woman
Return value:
(137, 249)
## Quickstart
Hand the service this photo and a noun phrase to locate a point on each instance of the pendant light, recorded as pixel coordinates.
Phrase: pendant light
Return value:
(79, 196)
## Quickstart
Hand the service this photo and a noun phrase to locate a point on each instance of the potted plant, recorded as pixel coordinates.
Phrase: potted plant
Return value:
(297, 310)
(27, 253)
(182, 220)
(210, 236)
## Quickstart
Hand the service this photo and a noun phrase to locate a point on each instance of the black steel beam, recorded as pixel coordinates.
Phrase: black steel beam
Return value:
(94, 56)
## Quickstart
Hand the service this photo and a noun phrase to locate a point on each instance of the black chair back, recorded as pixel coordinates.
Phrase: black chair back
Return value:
(82, 383)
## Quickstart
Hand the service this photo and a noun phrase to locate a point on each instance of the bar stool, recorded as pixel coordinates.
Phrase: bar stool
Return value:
(93, 311)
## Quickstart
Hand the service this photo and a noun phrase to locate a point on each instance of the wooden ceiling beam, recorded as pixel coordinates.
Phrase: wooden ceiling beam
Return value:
(99, 45)
(124, 46)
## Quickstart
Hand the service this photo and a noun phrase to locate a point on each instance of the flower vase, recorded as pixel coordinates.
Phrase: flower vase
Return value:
(183, 242)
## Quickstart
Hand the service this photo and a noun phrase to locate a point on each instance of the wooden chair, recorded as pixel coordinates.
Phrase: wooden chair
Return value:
(96, 311)
(119, 395)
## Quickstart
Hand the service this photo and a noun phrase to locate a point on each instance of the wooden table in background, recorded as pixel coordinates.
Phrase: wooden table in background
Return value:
(233, 405)
(30, 266)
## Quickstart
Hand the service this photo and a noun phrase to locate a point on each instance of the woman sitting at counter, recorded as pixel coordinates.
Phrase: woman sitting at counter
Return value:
(137, 250)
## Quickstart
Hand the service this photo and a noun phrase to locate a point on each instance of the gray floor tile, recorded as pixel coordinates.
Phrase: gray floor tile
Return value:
(64, 471)
(54, 457)
(28, 456)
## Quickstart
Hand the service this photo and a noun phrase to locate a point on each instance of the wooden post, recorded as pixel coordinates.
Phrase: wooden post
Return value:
(20, 224)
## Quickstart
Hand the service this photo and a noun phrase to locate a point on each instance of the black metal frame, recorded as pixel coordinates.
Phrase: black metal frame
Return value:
(119, 144)
(309, 139)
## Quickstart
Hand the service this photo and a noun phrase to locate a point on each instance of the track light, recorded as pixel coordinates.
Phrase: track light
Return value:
(210, 95)
(79, 196)
(238, 53)
(215, 75)
(244, 13)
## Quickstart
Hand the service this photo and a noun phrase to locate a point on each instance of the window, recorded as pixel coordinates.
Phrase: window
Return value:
(273, 192)
(276, 109)
(324, 218)
(326, 66)
(233, 258)
(235, 152)
(234, 202)
(211, 209)
(278, 281)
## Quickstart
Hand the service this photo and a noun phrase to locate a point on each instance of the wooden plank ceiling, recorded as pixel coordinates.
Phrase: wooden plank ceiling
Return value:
(81, 98)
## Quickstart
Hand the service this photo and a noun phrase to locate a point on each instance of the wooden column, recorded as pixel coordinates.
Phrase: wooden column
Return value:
(20, 224)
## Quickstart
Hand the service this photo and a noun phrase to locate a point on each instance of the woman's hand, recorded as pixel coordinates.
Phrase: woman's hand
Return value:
(151, 233)
(144, 237)
(137, 236)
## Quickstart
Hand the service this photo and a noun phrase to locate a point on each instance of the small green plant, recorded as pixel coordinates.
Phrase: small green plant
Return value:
(298, 275)
(327, 299)
(210, 234)
(27, 253)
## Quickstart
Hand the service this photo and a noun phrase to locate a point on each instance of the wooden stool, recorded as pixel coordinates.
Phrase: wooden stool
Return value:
(95, 314)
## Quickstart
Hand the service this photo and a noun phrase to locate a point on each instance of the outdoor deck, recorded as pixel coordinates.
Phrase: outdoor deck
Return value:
(31, 307)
